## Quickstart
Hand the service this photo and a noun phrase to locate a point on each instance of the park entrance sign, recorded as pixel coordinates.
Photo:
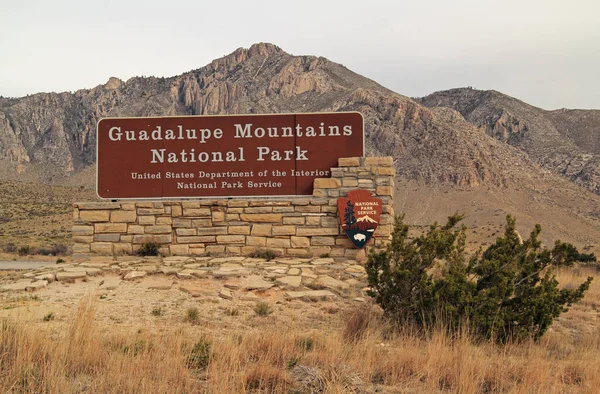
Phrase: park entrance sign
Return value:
(222, 156)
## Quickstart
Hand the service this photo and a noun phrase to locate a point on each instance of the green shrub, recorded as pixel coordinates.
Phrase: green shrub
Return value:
(149, 248)
(199, 356)
(158, 311)
(49, 316)
(192, 315)
(262, 308)
(24, 250)
(507, 292)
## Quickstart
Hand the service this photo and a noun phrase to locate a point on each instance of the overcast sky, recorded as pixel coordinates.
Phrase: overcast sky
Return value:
(545, 52)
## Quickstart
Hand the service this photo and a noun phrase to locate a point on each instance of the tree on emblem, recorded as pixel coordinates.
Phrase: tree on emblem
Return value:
(349, 218)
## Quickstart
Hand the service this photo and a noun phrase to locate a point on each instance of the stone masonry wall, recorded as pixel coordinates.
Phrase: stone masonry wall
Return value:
(302, 226)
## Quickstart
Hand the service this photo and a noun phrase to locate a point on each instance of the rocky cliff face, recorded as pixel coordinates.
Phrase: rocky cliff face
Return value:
(565, 142)
(429, 144)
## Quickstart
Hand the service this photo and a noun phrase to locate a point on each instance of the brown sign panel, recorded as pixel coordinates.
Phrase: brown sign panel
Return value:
(359, 215)
(225, 156)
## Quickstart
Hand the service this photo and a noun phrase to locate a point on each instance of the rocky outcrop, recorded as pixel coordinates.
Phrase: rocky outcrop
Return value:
(564, 142)
(57, 131)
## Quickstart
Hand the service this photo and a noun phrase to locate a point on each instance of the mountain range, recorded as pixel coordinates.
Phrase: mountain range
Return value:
(445, 144)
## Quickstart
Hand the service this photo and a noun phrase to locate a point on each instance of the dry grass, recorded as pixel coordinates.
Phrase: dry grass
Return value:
(360, 354)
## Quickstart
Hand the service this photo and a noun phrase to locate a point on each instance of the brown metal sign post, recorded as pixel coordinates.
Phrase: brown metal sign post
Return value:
(224, 156)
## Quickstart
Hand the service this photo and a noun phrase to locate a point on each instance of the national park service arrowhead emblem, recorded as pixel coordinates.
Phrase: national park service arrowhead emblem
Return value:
(359, 215)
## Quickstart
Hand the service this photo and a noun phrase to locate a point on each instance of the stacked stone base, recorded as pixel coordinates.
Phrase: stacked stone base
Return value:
(302, 227)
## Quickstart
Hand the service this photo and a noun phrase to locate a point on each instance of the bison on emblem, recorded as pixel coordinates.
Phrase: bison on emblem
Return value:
(359, 215)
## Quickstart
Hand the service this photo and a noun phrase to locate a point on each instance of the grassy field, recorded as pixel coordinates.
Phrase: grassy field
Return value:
(37, 215)
(354, 352)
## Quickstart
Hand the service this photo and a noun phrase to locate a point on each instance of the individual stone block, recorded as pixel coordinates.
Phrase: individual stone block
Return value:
(75, 213)
(146, 219)
(329, 209)
(308, 209)
(135, 229)
(239, 230)
(344, 242)
(161, 239)
(215, 249)
(294, 220)
(212, 231)
(246, 250)
(84, 239)
(283, 209)
(165, 229)
(258, 210)
(298, 252)
(386, 161)
(94, 216)
(237, 203)
(326, 183)
(262, 229)
(107, 237)
(150, 211)
(110, 228)
(102, 248)
(179, 222)
(202, 222)
(385, 191)
(319, 201)
(81, 248)
(349, 182)
(349, 162)
(328, 221)
(197, 251)
(313, 220)
(148, 204)
(164, 220)
(126, 238)
(176, 211)
(123, 216)
(83, 230)
(278, 243)
(322, 241)
(261, 217)
(218, 216)
(196, 212)
(308, 231)
(128, 206)
(232, 216)
(196, 239)
(320, 192)
(384, 171)
(300, 242)
(256, 241)
(284, 230)
(237, 250)
(231, 239)
(179, 250)
(301, 201)
(186, 231)
(320, 250)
